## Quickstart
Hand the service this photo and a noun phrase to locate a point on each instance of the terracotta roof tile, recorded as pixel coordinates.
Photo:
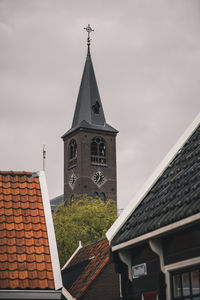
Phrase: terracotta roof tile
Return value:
(96, 256)
(25, 261)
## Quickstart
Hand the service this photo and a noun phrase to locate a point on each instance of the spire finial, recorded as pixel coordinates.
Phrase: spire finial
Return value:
(88, 29)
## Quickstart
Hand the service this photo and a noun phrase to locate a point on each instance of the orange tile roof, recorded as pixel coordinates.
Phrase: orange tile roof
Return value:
(98, 254)
(25, 261)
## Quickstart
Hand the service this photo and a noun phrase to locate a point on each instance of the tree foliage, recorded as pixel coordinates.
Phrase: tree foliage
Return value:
(86, 220)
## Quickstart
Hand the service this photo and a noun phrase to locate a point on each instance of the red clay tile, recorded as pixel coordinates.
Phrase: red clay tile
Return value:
(28, 226)
(22, 266)
(11, 249)
(18, 219)
(23, 274)
(43, 283)
(4, 283)
(2, 226)
(31, 266)
(98, 254)
(24, 250)
(41, 266)
(8, 212)
(9, 219)
(11, 257)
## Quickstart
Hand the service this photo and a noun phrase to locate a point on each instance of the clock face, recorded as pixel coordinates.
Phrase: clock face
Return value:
(99, 178)
(72, 181)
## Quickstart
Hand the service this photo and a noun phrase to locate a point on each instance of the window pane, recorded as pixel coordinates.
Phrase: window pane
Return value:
(177, 285)
(186, 284)
(95, 195)
(93, 148)
(102, 149)
(103, 196)
(72, 149)
(75, 150)
(195, 282)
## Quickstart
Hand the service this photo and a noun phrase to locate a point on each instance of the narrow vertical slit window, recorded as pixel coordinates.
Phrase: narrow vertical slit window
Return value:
(72, 154)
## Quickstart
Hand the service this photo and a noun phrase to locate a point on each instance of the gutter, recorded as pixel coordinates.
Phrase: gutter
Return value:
(30, 294)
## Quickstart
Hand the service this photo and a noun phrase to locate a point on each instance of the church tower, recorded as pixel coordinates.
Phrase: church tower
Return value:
(89, 146)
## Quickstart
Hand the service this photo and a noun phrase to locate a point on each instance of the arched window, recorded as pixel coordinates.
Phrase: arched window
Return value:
(103, 196)
(95, 195)
(98, 151)
(72, 153)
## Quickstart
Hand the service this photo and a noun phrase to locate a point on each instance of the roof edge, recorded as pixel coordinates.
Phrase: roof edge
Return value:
(21, 173)
(67, 295)
(97, 272)
(157, 232)
(72, 256)
(104, 129)
(152, 180)
(50, 231)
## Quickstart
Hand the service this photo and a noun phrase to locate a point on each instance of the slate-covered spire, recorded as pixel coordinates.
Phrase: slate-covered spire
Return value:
(89, 112)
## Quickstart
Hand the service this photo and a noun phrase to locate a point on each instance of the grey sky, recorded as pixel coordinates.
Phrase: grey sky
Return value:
(146, 56)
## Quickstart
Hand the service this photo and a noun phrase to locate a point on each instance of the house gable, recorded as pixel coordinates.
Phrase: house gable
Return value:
(164, 200)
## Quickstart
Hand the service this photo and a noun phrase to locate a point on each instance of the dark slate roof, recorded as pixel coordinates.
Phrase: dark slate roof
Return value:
(84, 267)
(89, 110)
(174, 196)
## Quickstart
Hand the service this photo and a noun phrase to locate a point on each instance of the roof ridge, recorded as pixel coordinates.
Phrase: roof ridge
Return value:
(93, 243)
(16, 173)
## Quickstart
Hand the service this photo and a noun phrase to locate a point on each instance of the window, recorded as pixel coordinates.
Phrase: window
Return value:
(150, 295)
(98, 151)
(72, 154)
(95, 195)
(186, 284)
(96, 107)
(103, 196)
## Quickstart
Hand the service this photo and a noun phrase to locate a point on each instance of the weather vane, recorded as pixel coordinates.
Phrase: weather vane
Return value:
(88, 29)
(44, 156)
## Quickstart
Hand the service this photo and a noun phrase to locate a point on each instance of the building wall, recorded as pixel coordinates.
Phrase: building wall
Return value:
(105, 286)
(153, 280)
(84, 169)
(182, 245)
(181, 252)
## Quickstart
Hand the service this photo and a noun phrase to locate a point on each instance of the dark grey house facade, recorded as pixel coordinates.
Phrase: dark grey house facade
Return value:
(155, 243)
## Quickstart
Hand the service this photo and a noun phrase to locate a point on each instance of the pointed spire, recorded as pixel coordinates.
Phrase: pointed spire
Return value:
(89, 111)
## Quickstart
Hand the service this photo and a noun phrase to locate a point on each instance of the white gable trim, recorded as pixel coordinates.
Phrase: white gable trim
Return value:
(50, 231)
(67, 295)
(151, 181)
(75, 252)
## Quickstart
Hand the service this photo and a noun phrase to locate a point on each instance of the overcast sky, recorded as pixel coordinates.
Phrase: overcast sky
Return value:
(146, 56)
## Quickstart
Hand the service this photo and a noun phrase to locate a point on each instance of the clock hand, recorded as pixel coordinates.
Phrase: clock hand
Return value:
(99, 178)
